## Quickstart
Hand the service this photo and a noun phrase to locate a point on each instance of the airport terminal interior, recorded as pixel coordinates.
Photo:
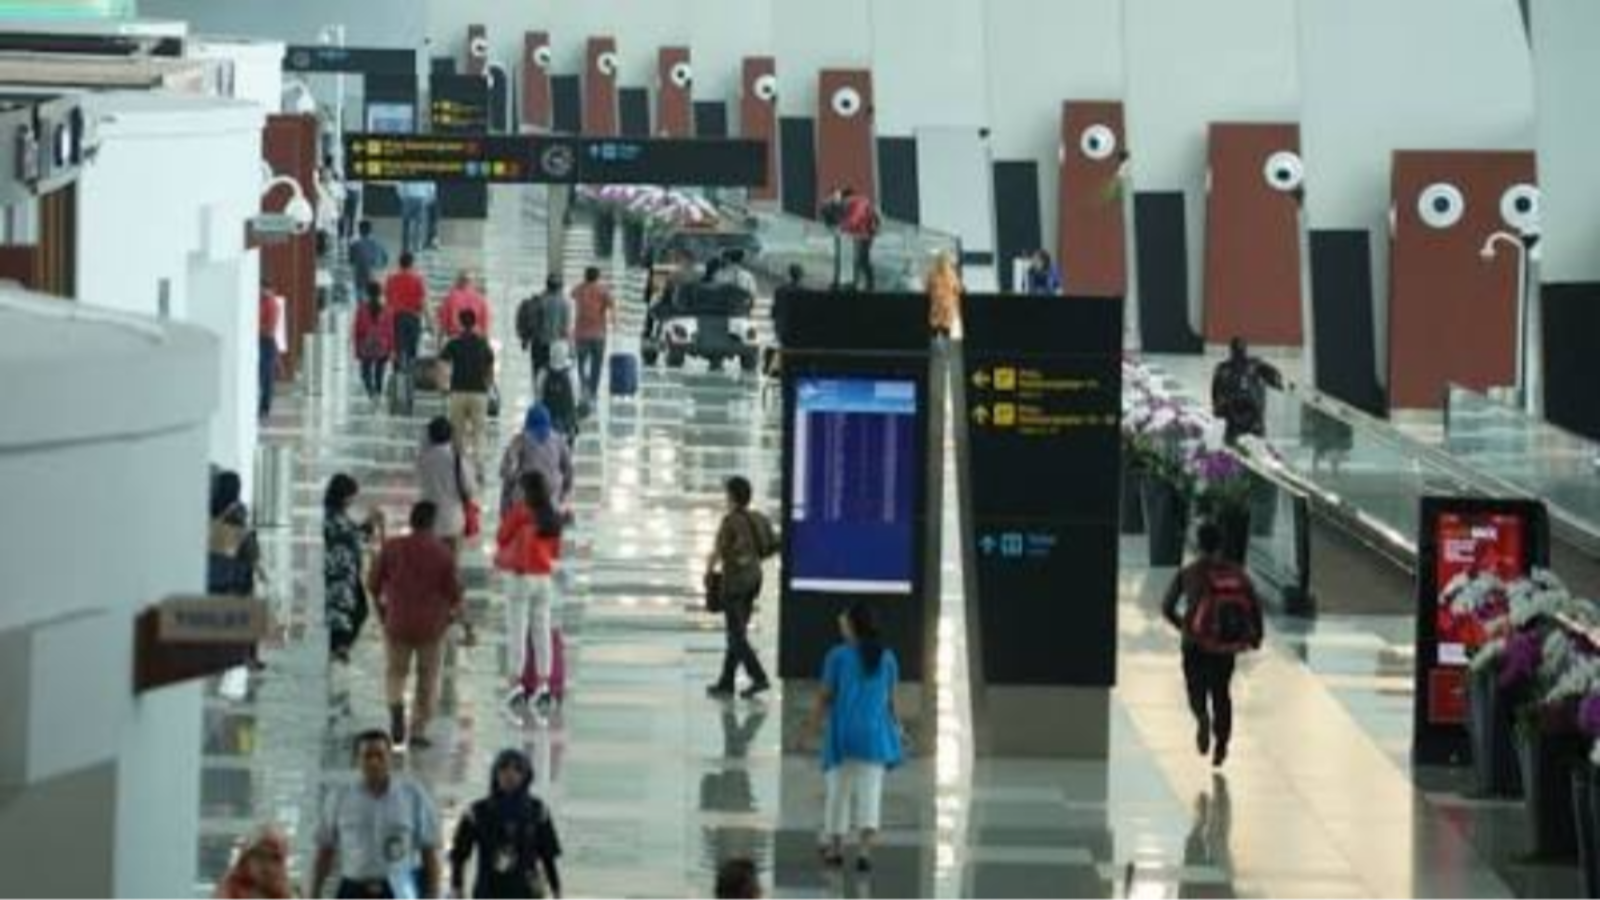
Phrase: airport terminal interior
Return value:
(840, 448)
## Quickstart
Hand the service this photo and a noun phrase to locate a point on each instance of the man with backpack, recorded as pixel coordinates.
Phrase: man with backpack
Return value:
(1221, 618)
(542, 321)
(745, 540)
(1239, 391)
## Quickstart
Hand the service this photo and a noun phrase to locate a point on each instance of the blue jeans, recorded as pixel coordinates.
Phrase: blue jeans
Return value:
(268, 374)
(591, 360)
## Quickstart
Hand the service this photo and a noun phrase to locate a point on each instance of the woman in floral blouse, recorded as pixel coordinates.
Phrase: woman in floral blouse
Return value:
(343, 540)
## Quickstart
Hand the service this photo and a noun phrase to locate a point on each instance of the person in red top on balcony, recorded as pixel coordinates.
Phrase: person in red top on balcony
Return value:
(374, 340)
(860, 223)
(407, 296)
(269, 331)
(462, 298)
(530, 547)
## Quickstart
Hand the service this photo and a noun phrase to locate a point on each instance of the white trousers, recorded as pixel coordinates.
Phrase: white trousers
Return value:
(855, 791)
(530, 601)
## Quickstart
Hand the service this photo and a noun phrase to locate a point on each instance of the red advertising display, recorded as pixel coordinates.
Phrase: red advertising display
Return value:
(1462, 537)
(1473, 544)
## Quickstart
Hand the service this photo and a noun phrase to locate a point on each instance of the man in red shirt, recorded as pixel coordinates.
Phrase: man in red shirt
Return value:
(860, 224)
(269, 332)
(418, 592)
(463, 297)
(596, 313)
(407, 297)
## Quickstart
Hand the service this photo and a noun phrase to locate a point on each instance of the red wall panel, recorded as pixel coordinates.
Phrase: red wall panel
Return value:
(476, 63)
(1092, 246)
(536, 57)
(674, 80)
(844, 133)
(1452, 314)
(289, 146)
(1252, 274)
(600, 88)
(758, 116)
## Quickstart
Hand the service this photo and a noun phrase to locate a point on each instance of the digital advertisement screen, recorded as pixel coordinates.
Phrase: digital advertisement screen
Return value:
(1473, 544)
(856, 463)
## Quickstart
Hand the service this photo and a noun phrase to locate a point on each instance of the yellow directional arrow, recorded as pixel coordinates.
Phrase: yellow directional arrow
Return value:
(981, 415)
(982, 380)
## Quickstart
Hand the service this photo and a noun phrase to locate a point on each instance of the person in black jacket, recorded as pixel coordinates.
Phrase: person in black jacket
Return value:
(512, 834)
(1239, 391)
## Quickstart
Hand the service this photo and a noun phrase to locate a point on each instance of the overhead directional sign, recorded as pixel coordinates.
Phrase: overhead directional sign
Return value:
(350, 60)
(530, 159)
(482, 159)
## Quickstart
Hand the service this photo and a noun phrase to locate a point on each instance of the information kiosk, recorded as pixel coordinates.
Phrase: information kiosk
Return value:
(862, 463)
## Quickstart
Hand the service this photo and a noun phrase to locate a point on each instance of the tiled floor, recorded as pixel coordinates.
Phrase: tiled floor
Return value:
(652, 783)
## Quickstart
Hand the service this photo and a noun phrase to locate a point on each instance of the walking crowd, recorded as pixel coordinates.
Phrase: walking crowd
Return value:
(381, 834)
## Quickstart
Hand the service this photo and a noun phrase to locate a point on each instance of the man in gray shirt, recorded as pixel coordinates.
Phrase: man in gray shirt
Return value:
(381, 833)
(542, 321)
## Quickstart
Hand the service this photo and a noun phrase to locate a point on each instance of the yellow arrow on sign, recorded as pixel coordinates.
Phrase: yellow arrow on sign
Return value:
(981, 415)
(981, 380)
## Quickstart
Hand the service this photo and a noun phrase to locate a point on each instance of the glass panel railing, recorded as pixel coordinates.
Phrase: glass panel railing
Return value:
(1528, 454)
(900, 256)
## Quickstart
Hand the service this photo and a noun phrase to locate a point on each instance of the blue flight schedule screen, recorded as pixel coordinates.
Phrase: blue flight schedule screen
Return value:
(855, 468)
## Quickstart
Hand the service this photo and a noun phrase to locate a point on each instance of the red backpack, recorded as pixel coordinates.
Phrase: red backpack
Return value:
(1224, 618)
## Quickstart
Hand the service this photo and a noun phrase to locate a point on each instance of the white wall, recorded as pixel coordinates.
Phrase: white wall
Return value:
(927, 64)
(1038, 54)
(811, 35)
(1566, 35)
(722, 34)
(1190, 64)
(1379, 76)
(168, 196)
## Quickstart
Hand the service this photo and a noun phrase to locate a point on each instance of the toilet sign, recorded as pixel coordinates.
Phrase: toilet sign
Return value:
(186, 638)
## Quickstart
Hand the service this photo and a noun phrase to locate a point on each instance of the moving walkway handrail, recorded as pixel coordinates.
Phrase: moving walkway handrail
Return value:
(1570, 526)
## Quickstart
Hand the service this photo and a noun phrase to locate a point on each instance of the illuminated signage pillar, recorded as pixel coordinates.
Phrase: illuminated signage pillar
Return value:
(1039, 407)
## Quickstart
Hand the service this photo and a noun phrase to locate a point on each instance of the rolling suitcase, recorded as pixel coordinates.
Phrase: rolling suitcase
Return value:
(624, 375)
(558, 668)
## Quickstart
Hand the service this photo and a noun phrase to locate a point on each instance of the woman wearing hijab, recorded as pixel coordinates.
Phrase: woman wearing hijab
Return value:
(512, 834)
(537, 448)
(261, 870)
(944, 296)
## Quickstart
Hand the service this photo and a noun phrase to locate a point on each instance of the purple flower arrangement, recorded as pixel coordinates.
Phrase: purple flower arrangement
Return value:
(1519, 662)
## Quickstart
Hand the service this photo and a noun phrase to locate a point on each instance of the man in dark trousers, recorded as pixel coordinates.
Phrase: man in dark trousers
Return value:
(1220, 618)
(471, 362)
(1239, 391)
(860, 225)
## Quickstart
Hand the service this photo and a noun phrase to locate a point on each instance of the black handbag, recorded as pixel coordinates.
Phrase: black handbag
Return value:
(714, 596)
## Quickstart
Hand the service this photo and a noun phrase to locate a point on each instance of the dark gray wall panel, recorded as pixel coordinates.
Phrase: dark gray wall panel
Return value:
(797, 139)
(1019, 228)
(897, 178)
(710, 119)
(634, 108)
(1342, 321)
(1162, 249)
(1572, 356)
(566, 103)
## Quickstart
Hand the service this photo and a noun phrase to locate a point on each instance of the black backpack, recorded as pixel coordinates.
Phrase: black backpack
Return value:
(530, 319)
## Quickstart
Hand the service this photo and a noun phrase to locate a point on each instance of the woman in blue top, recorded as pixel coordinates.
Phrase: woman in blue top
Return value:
(862, 740)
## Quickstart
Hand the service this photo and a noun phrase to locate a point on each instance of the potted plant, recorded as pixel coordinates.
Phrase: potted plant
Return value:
(1222, 494)
(1482, 598)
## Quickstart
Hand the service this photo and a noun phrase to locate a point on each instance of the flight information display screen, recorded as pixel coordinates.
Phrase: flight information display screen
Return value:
(856, 446)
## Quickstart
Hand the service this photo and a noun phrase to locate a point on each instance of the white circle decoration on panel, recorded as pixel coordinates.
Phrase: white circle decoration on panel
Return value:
(766, 88)
(847, 102)
(1519, 207)
(542, 56)
(606, 63)
(1441, 205)
(1098, 142)
(479, 48)
(1285, 171)
(682, 75)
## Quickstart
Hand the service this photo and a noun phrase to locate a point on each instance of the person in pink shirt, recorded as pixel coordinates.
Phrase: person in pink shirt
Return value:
(464, 296)
(374, 339)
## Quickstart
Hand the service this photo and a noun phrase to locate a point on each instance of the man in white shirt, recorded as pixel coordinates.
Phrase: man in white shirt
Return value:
(380, 834)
